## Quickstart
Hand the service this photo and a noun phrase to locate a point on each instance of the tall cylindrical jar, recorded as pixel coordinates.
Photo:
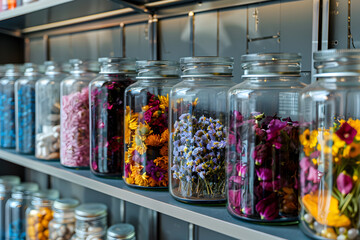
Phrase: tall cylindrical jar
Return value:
(263, 153)
(15, 228)
(75, 136)
(197, 129)
(7, 182)
(330, 140)
(146, 124)
(47, 105)
(7, 107)
(107, 115)
(63, 224)
(91, 221)
(25, 109)
(39, 214)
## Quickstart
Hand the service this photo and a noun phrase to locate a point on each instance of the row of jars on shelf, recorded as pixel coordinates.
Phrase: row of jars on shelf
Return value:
(28, 213)
(269, 145)
(12, 4)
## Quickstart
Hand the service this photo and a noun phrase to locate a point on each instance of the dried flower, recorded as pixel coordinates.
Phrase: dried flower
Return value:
(344, 183)
(346, 133)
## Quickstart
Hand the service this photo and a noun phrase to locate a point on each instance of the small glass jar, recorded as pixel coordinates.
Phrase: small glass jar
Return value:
(47, 100)
(7, 107)
(25, 109)
(146, 124)
(107, 115)
(123, 231)
(39, 214)
(75, 136)
(330, 140)
(197, 126)
(63, 224)
(15, 210)
(7, 182)
(262, 161)
(91, 221)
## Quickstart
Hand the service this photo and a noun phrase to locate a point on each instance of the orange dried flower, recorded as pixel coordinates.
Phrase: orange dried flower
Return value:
(153, 140)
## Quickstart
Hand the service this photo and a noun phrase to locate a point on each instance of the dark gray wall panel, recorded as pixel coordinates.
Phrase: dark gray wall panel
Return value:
(355, 20)
(206, 234)
(137, 41)
(38, 177)
(60, 50)
(140, 218)
(338, 22)
(174, 38)
(37, 50)
(264, 46)
(12, 49)
(232, 37)
(172, 228)
(110, 44)
(85, 45)
(206, 34)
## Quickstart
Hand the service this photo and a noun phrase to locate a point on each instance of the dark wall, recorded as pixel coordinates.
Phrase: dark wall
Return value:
(11, 49)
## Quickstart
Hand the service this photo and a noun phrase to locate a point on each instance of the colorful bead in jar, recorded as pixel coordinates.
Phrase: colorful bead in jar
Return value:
(7, 182)
(39, 214)
(47, 100)
(123, 231)
(75, 136)
(262, 161)
(63, 224)
(15, 228)
(197, 127)
(91, 222)
(146, 124)
(330, 141)
(7, 107)
(107, 115)
(25, 109)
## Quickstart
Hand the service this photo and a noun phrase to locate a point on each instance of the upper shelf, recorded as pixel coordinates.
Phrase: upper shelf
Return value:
(212, 217)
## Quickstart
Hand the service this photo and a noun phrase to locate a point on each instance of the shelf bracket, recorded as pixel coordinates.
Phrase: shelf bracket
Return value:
(137, 8)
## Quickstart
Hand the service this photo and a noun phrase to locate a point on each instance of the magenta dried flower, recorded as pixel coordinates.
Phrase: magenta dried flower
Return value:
(235, 197)
(275, 126)
(261, 153)
(268, 208)
(344, 183)
(314, 175)
(264, 174)
(346, 133)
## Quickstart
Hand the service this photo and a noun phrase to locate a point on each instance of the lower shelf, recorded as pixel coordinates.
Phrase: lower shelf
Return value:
(215, 218)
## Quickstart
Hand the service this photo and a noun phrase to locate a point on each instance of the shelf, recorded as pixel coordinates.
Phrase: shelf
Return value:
(215, 218)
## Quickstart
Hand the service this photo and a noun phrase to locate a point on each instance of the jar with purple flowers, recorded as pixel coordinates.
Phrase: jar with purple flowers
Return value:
(263, 138)
(197, 130)
(146, 124)
(107, 115)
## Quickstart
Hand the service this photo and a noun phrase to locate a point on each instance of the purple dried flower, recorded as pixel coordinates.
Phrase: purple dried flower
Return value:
(268, 208)
(346, 133)
(314, 175)
(275, 127)
(264, 174)
(235, 197)
(344, 183)
(261, 153)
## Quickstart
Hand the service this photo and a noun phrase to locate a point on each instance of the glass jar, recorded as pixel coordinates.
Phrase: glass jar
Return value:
(262, 159)
(123, 231)
(25, 109)
(7, 182)
(107, 115)
(330, 154)
(91, 221)
(7, 107)
(63, 224)
(47, 100)
(39, 214)
(146, 124)
(75, 142)
(197, 126)
(15, 210)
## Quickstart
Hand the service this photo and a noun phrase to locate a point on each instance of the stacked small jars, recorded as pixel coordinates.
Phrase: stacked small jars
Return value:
(7, 107)
(75, 142)
(15, 210)
(107, 115)
(198, 134)
(47, 92)
(330, 141)
(262, 160)
(63, 224)
(146, 124)
(25, 109)
(91, 222)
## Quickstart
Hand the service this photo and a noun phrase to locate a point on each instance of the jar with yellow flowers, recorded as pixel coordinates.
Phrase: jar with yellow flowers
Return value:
(330, 139)
(146, 124)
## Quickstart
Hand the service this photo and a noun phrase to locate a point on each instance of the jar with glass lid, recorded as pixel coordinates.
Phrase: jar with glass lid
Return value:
(74, 93)
(197, 126)
(123, 231)
(63, 224)
(91, 221)
(25, 109)
(15, 210)
(7, 107)
(7, 182)
(107, 115)
(39, 214)
(47, 100)
(330, 141)
(263, 132)
(146, 124)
